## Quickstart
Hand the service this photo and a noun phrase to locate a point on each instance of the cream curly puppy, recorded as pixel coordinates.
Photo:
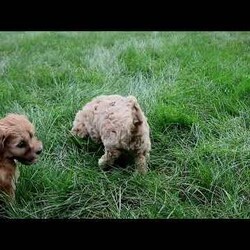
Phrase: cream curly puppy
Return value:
(120, 124)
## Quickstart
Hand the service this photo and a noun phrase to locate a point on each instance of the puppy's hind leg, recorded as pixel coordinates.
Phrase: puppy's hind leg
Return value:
(109, 157)
(141, 163)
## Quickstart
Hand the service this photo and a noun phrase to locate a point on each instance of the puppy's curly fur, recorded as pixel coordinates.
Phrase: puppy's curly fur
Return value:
(120, 124)
(17, 143)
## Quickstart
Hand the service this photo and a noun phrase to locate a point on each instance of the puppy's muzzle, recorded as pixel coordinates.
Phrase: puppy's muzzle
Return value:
(39, 151)
(32, 157)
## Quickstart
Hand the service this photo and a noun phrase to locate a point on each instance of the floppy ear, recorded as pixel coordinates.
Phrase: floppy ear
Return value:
(2, 139)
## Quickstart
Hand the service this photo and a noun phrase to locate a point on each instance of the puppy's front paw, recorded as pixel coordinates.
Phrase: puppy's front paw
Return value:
(102, 162)
(142, 171)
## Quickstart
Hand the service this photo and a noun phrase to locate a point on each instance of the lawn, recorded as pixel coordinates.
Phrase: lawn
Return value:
(194, 88)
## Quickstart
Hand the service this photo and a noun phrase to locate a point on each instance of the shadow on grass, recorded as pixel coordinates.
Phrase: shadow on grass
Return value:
(126, 160)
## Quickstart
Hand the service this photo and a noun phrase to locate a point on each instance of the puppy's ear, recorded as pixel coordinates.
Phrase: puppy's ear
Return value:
(4, 136)
(2, 139)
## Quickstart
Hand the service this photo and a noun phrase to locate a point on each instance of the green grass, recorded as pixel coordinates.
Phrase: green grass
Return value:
(195, 90)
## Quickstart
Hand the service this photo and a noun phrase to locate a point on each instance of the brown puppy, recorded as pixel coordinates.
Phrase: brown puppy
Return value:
(17, 142)
(120, 124)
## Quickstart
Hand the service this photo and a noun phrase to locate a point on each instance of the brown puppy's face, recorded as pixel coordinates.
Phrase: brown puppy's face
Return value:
(17, 139)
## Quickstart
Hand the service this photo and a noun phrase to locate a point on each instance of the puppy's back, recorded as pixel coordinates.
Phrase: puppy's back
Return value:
(120, 118)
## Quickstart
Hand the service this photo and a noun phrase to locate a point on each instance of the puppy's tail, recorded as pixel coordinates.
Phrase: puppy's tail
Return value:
(137, 113)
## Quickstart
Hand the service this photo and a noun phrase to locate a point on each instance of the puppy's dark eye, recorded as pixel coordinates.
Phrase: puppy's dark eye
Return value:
(21, 144)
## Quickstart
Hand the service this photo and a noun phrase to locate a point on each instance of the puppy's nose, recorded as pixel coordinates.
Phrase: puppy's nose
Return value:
(39, 151)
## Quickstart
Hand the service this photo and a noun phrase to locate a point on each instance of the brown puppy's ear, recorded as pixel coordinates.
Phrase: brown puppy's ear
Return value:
(2, 140)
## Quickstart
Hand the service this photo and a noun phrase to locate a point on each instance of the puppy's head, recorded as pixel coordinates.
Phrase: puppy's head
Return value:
(17, 139)
(79, 128)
